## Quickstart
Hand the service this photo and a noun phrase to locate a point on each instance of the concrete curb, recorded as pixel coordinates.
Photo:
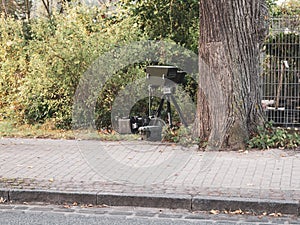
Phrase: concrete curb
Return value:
(4, 194)
(54, 197)
(245, 204)
(172, 201)
(145, 200)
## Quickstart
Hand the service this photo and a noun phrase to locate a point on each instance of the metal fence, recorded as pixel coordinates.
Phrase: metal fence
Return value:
(281, 72)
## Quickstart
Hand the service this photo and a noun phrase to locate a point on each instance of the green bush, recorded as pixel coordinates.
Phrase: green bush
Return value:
(177, 20)
(109, 92)
(270, 137)
(42, 64)
(13, 66)
(288, 8)
(43, 60)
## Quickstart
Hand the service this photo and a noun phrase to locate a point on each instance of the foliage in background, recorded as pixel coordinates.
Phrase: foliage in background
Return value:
(111, 89)
(278, 40)
(177, 20)
(43, 60)
(41, 65)
(288, 8)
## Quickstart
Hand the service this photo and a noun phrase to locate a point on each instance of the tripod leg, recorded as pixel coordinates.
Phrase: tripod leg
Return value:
(169, 111)
(158, 113)
(150, 101)
(178, 110)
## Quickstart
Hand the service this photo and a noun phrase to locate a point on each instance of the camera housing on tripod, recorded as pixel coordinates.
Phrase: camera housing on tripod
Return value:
(165, 77)
(166, 73)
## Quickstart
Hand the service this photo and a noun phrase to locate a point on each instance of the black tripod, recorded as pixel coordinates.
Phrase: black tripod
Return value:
(169, 97)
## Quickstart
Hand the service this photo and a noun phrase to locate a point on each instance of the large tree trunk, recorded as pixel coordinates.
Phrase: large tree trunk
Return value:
(231, 32)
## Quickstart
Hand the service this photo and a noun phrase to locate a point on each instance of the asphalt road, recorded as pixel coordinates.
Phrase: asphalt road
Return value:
(69, 215)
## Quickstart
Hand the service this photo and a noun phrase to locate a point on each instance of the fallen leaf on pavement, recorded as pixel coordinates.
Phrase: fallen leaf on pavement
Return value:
(275, 214)
(214, 212)
(2, 200)
(239, 211)
(243, 151)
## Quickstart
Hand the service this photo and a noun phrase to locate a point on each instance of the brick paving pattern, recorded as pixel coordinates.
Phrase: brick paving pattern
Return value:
(142, 167)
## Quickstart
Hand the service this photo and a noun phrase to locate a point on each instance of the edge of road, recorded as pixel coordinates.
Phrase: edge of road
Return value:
(170, 201)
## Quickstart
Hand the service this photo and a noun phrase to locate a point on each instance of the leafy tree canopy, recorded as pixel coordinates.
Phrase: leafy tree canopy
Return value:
(174, 19)
(287, 8)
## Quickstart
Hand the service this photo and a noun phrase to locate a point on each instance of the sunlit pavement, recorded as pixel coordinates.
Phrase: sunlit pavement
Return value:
(154, 174)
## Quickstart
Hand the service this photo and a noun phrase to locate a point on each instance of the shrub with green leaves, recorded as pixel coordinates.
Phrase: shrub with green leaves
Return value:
(42, 62)
(269, 136)
(287, 8)
(177, 20)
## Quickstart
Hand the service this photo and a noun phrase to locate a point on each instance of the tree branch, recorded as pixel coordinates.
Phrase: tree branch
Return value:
(47, 7)
(27, 8)
(4, 8)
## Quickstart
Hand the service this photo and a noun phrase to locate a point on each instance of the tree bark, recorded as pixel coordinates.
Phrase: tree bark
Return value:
(231, 33)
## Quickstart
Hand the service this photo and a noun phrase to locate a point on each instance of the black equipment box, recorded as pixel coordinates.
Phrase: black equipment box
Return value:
(168, 72)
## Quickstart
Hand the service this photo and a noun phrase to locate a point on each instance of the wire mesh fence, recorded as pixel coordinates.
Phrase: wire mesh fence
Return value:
(281, 72)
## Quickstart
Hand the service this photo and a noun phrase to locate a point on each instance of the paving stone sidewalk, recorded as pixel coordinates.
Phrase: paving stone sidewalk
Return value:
(143, 168)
